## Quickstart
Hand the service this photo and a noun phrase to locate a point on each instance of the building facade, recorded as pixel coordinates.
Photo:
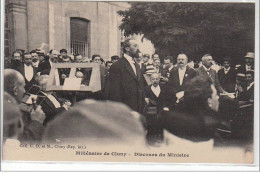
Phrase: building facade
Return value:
(80, 27)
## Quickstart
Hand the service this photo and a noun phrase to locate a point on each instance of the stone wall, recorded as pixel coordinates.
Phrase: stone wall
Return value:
(49, 22)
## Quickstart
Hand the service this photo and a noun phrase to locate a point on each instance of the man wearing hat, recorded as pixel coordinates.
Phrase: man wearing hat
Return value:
(114, 58)
(249, 63)
(240, 84)
(63, 52)
(248, 93)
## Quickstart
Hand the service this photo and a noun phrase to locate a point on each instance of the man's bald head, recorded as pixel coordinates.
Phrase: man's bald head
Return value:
(14, 83)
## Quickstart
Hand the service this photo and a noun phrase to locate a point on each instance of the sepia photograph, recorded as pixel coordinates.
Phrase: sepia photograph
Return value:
(130, 82)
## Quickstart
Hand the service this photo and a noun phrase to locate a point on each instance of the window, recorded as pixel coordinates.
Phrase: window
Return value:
(79, 36)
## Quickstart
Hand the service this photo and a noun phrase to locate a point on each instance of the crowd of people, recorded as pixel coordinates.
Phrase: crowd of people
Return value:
(142, 99)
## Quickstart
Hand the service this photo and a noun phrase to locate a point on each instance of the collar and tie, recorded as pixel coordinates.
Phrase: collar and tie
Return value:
(137, 68)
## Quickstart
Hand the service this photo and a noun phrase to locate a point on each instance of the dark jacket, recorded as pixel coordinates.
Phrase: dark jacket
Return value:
(44, 65)
(174, 81)
(125, 86)
(247, 94)
(227, 81)
(213, 76)
(155, 101)
(28, 84)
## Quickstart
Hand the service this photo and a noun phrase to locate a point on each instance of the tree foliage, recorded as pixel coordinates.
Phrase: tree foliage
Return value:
(221, 29)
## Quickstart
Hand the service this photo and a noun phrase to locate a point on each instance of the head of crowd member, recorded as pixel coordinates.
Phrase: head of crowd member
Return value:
(42, 80)
(96, 59)
(249, 58)
(240, 78)
(53, 57)
(27, 59)
(66, 59)
(12, 121)
(155, 79)
(102, 61)
(35, 58)
(182, 60)
(156, 62)
(72, 57)
(86, 60)
(201, 94)
(249, 76)
(146, 58)
(41, 54)
(97, 123)
(16, 58)
(109, 64)
(60, 59)
(168, 61)
(63, 52)
(226, 63)
(14, 84)
(207, 60)
(114, 58)
(131, 48)
(155, 56)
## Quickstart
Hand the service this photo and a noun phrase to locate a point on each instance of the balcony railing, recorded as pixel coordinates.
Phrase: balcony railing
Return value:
(79, 47)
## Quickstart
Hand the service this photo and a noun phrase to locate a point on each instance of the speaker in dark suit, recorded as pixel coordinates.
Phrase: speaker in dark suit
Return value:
(125, 79)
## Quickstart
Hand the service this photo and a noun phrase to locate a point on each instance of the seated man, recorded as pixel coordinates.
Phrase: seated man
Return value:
(248, 93)
(31, 118)
(197, 121)
(48, 100)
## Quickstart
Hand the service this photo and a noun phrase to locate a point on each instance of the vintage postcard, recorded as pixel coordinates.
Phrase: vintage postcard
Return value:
(138, 82)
